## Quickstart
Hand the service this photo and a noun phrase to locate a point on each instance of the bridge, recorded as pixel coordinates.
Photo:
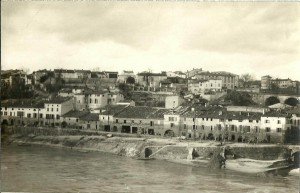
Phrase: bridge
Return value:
(269, 99)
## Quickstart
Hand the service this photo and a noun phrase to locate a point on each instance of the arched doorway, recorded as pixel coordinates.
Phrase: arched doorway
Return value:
(271, 101)
(291, 101)
(115, 129)
(169, 133)
(210, 136)
(232, 137)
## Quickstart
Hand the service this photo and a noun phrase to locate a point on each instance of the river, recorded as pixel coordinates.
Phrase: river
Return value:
(46, 169)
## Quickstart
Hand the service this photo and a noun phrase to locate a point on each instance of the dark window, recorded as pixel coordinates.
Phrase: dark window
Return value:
(124, 121)
(57, 116)
(268, 129)
(278, 130)
(117, 120)
(151, 123)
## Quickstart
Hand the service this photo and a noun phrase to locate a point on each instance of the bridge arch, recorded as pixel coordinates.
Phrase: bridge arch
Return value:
(271, 100)
(291, 101)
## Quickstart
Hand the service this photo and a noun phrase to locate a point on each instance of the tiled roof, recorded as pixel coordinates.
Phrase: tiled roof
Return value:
(112, 109)
(276, 114)
(58, 100)
(137, 112)
(158, 114)
(151, 74)
(75, 114)
(90, 117)
(23, 103)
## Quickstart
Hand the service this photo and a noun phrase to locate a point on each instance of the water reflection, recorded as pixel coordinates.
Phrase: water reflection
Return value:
(60, 170)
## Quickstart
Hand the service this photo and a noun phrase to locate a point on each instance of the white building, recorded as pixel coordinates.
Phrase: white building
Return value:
(202, 86)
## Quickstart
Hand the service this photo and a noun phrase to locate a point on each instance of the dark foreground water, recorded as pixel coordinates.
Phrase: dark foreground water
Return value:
(45, 169)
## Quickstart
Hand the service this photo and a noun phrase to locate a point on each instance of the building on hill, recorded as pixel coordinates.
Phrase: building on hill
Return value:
(122, 78)
(172, 102)
(202, 86)
(229, 80)
(151, 80)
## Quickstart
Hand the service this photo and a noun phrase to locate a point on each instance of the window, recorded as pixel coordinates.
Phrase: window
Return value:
(34, 115)
(140, 121)
(151, 123)
(41, 115)
(184, 126)
(96, 100)
(172, 118)
(117, 121)
(132, 121)
(52, 109)
(90, 100)
(267, 121)
(250, 121)
(229, 120)
(268, 129)
(211, 119)
(124, 121)
(172, 124)
(47, 109)
(278, 122)
(278, 130)
(5, 113)
(10, 113)
(57, 109)
(76, 120)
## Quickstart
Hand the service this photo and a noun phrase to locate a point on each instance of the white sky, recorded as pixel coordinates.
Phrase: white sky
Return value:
(256, 38)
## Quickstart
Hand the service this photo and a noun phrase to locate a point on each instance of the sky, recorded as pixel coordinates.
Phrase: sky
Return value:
(256, 38)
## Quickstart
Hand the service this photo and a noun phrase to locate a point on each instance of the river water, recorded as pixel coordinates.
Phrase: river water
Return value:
(45, 169)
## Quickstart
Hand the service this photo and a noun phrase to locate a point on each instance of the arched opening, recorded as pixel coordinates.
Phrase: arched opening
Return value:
(148, 152)
(115, 129)
(210, 136)
(106, 127)
(291, 101)
(271, 101)
(4, 122)
(169, 133)
(240, 139)
(232, 137)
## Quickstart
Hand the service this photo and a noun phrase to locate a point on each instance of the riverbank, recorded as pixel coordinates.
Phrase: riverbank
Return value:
(203, 154)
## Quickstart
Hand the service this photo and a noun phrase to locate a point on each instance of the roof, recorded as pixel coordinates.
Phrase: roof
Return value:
(75, 114)
(112, 109)
(158, 114)
(136, 112)
(218, 113)
(219, 73)
(58, 100)
(23, 103)
(90, 117)
(151, 74)
(276, 114)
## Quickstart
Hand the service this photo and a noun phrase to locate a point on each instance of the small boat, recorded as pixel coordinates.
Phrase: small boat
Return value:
(256, 166)
(295, 172)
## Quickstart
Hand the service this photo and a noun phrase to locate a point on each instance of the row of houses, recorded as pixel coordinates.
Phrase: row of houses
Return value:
(193, 121)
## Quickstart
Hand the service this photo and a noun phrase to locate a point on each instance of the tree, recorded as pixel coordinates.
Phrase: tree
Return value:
(239, 98)
(245, 78)
(125, 90)
(130, 80)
